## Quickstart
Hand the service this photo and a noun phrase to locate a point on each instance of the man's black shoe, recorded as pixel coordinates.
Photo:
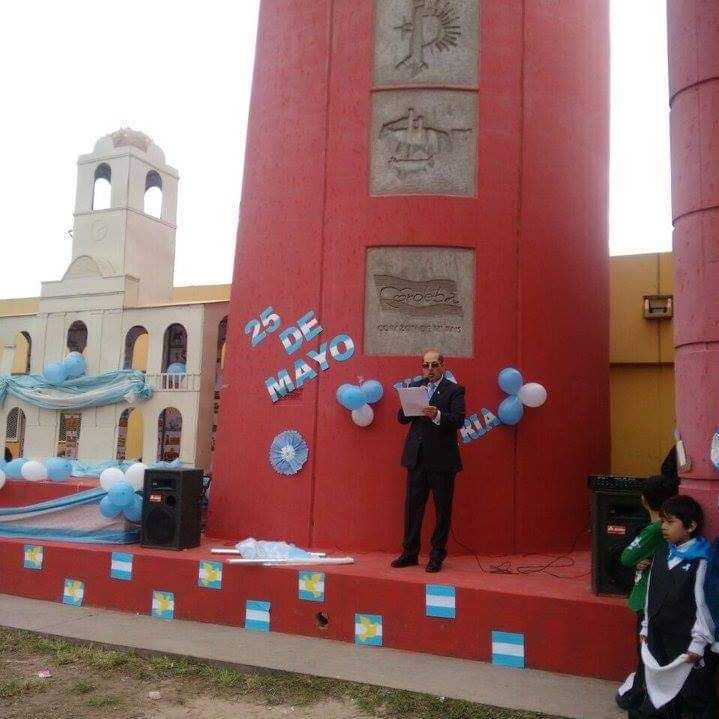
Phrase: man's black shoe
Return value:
(434, 565)
(404, 560)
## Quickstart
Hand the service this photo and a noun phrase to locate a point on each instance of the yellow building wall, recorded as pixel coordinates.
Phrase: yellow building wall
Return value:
(641, 365)
(133, 443)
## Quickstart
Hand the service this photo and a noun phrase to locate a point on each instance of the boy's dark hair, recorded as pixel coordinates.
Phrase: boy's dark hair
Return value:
(657, 489)
(686, 509)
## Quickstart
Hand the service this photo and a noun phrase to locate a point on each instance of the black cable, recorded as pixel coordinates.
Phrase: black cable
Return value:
(561, 561)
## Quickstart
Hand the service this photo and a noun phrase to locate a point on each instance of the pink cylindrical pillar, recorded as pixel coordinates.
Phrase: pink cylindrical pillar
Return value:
(693, 28)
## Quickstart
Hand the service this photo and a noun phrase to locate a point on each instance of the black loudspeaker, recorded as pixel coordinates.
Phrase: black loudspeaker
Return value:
(171, 509)
(617, 518)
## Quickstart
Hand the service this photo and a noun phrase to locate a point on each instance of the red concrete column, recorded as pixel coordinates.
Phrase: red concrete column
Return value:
(693, 28)
(535, 216)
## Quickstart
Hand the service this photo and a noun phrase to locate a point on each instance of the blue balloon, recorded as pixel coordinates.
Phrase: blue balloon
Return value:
(13, 469)
(372, 391)
(134, 511)
(121, 494)
(55, 373)
(177, 368)
(350, 396)
(59, 469)
(510, 380)
(108, 509)
(74, 365)
(510, 410)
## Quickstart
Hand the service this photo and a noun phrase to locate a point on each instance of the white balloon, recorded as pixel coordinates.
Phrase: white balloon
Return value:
(2, 478)
(110, 477)
(532, 394)
(34, 471)
(135, 475)
(363, 416)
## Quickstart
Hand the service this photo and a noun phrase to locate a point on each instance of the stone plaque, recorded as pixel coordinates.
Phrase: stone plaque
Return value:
(419, 297)
(423, 142)
(426, 42)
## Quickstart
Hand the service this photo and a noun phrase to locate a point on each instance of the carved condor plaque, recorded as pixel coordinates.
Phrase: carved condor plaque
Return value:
(419, 297)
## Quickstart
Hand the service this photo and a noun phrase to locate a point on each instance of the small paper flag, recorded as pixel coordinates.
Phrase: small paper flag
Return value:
(121, 566)
(73, 592)
(440, 601)
(368, 629)
(33, 556)
(257, 616)
(163, 605)
(209, 575)
(312, 586)
(508, 649)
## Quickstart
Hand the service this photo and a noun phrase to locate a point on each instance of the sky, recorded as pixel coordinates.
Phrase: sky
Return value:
(73, 72)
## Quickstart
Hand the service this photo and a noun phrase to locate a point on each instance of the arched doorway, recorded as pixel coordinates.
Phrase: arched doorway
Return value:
(15, 432)
(136, 347)
(130, 435)
(169, 434)
(219, 366)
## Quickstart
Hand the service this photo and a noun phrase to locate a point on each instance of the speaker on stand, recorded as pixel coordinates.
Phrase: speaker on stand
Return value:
(617, 517)
(171, 510)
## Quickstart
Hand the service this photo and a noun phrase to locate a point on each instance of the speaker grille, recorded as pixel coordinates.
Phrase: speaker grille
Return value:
(160, 526)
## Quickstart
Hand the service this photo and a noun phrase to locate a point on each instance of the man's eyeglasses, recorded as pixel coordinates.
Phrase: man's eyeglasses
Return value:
(427, 365)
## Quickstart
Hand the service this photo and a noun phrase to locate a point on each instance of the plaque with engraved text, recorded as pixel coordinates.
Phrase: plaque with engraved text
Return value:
(419, 297)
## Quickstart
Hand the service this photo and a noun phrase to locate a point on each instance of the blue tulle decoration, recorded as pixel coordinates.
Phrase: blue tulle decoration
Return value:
(288, 452)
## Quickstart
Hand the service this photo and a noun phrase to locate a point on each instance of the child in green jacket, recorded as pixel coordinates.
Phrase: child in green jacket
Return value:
(639, 555)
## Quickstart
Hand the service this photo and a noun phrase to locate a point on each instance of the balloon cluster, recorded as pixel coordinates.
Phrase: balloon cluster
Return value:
(72, 367)
(520, 396)
(58, 469)
(358, 399)
(121, 488)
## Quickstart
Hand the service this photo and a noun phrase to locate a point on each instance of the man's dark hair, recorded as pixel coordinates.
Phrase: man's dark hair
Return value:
(657, 489)
(686, 509)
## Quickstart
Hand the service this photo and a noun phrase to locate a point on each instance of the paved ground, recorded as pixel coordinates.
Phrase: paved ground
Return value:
(527, 689)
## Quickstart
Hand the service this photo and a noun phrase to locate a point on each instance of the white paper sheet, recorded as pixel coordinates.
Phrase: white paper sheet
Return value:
(413, 399)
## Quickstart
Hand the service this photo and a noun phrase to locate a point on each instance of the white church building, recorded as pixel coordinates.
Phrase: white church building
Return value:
(116, 304)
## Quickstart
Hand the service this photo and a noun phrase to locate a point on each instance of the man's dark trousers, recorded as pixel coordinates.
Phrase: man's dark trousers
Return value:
(420, 481)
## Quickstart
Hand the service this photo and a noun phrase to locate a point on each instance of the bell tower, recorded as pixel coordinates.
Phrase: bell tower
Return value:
(126, 213)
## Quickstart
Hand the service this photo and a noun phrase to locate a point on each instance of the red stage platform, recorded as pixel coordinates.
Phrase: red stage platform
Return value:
(565, 627)
(20, 493)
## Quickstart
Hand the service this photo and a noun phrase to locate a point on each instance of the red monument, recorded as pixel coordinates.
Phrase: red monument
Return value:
(400, 151)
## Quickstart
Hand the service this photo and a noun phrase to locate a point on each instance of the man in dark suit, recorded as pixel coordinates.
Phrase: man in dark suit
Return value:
(431, 455)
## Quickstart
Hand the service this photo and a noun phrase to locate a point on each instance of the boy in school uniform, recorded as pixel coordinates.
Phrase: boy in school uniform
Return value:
(638, 554)
(678, 630)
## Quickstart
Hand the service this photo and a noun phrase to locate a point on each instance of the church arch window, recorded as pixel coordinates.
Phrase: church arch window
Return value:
(23, 352)
(174, 346)
(130, 435)
(68, 437)
(77, 337)
(102, 187)
(169, 434)
(15, 432)
(136, 348)
(153, 194)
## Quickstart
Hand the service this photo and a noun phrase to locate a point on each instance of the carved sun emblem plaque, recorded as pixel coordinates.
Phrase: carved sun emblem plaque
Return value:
(433, 26)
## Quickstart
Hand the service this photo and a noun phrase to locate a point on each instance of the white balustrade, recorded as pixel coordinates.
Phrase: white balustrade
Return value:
(174, 382)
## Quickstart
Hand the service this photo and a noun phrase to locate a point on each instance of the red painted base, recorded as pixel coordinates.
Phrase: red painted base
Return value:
(566, 628)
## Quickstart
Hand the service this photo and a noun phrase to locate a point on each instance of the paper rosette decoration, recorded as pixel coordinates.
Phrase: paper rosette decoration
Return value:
(288, 452)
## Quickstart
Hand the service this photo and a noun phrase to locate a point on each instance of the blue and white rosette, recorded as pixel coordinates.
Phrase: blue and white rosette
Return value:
(288, 452)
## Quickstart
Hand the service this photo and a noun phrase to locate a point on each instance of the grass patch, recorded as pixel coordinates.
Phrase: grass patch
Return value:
(11, 688)
(274, 689)
(81, 688)
(108, 701)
